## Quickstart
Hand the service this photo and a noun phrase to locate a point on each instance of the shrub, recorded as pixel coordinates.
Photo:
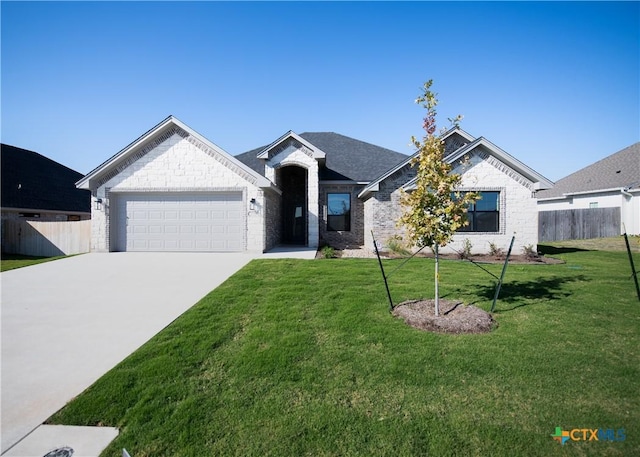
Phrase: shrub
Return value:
(328, 252)
(530, 252)
(396, 245)
(466, 249)
(495, 251)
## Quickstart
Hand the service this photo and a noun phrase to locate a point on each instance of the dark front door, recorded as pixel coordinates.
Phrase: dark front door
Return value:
(293, 182)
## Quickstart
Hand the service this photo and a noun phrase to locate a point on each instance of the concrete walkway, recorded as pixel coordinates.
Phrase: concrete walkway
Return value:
(66, 323)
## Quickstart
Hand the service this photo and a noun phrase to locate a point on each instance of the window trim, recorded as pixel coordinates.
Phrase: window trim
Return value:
(501, 210)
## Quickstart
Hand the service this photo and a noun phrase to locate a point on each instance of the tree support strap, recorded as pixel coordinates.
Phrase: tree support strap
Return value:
(633, 267)
(386, 284)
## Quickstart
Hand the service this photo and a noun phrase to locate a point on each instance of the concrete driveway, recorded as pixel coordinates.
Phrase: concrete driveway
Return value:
(66, 323)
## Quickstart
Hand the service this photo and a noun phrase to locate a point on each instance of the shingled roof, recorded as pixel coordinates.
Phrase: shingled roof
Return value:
(617, 171)
(33, 181)
(346, 158)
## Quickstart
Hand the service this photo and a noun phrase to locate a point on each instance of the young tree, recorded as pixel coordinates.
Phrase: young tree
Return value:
(435, 209)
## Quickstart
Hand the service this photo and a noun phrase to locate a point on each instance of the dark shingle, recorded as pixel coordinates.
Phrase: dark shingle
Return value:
(32, 181)
(346, 158)
(619, 170)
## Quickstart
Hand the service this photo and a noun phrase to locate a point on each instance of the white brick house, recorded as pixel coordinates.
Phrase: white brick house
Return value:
(173, 190)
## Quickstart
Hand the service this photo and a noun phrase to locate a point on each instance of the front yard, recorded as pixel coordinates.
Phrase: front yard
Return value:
(291, 358)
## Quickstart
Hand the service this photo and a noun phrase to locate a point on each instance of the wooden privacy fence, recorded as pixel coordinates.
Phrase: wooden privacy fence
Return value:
(578, 224)
(39, 238)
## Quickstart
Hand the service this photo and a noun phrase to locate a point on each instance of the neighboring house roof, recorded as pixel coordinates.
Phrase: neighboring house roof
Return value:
(33, 181)
(161, 132)
(454, 154)
(617, 171)
(345, 158)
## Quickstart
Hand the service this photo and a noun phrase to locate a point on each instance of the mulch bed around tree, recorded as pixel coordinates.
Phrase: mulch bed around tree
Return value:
(455, 317)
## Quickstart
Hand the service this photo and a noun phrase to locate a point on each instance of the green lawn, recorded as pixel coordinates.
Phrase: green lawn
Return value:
(13, 261)
(294, 357)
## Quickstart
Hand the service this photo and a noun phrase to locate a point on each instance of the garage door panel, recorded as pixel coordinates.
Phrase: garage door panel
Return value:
(181, 222)
(168, 245)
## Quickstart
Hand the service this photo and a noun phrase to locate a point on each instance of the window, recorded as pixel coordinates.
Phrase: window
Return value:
(593, 205)
(484, 214)
(338, 212)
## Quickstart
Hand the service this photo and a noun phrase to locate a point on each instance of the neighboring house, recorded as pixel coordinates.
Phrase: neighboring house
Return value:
(174, 190)
(613, 182)
(37, 188)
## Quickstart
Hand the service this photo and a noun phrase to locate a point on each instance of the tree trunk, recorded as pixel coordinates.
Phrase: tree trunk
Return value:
(437, 275)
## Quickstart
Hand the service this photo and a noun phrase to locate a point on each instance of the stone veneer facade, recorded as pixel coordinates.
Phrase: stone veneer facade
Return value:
(292, 153)
(518, 206)
(176, 162)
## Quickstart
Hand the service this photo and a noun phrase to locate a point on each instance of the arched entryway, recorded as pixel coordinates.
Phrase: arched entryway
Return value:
(292, 180)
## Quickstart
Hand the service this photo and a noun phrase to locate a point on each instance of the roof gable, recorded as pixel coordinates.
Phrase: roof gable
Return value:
(539, 181)
(467, 143)
(620, 170)
(33, 181)
(149, 140)
(291, 139)
(345, 158)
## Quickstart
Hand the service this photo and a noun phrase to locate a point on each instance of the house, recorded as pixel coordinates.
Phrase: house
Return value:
(35, 187)
(613, 182)
(174, 190)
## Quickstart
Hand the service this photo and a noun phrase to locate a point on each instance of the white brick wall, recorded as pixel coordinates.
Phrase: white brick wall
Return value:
(519, 213)
(518, 216)
(178, 165)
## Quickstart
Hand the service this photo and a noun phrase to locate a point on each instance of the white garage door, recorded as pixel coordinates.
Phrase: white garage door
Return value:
(180, 222)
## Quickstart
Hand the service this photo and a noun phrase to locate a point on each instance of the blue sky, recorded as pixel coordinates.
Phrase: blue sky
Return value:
(557, 85)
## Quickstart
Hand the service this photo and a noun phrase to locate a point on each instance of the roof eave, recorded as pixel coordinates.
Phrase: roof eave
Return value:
(44, 210)
(548, 199)
(374, 186)
(596, 191)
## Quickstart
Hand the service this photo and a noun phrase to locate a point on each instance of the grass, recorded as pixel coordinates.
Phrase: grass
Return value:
(13, 261)
(294, 358)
